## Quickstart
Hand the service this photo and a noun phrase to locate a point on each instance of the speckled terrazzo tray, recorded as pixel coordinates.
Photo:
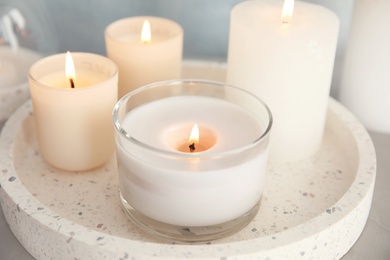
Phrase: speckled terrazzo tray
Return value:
(315, 208)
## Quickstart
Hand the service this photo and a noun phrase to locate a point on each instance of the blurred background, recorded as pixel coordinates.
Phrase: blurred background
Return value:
(79, 25)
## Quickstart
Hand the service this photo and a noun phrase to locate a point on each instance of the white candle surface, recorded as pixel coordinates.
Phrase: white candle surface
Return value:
(142, 63)
(14, 65)
(73, 125)
(365, 84)
(288, 65)
(188, 190)
(85, 78)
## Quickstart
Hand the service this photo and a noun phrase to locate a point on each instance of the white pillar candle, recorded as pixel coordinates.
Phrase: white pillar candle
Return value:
(14, 65)
(73, 125)
(365, 84)
(143, 62)
(221, 180)
(289, 65)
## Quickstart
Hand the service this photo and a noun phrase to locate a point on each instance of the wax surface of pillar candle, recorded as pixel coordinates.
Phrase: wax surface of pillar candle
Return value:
(365, 85)
(143, 63)
(73, 125)
(288, 65)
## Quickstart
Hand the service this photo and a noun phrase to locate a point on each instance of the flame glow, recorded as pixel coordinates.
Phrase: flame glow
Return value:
(69, 67)
(146, 34)
(287, 12)
(194, 136)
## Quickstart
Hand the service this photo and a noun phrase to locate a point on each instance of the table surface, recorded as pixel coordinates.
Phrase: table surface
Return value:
(374, 243)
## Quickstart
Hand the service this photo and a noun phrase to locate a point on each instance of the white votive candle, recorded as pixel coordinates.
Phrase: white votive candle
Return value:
(143, 61)
(288, 62)
(73, 125)
(168, 175)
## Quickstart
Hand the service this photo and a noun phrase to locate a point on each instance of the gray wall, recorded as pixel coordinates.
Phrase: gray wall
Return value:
(78, 25)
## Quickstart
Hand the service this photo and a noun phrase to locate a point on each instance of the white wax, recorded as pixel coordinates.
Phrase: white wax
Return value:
(289, 66)
(14, 65)
(74, 126)
(139, 63)
(191, 191)
(365, 85)
(84, 78)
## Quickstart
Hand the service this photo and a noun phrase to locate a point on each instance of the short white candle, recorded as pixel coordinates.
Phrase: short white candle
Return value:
(230, 191)
(365, 85)
(289, 65)
(141, 62)
(74, 126)
(14, 65)
(210, 186)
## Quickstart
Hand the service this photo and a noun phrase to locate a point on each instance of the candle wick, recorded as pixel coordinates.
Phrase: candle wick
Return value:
(192, 147)
(71, 83)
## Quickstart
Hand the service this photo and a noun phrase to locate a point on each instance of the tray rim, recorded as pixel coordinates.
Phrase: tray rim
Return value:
(116, 245)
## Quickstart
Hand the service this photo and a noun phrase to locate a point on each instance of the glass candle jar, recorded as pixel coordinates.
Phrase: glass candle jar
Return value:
(184, 187)
(73, 118)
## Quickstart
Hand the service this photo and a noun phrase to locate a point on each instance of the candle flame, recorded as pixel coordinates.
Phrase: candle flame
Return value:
(287, 12)
(194, 136)
(146, 34)
(70, 72)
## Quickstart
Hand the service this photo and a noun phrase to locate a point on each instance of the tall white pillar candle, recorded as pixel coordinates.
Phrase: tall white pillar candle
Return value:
(365, 84)
(73, 125)
(289, 65)
(141, 62)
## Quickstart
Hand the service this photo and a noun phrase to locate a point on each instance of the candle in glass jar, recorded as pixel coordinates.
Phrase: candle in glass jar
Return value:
(184, 202)
(287, 60)
(147, 57)
(169, 177)
(74, 124)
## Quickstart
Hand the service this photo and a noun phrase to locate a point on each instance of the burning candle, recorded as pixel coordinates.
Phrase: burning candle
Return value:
(287, 60)
(146, 56)
(193, 141)
(184, 164)
(192, 144)
(73, 113)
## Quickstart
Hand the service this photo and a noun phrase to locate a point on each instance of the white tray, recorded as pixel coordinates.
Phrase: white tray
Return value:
(315, 208)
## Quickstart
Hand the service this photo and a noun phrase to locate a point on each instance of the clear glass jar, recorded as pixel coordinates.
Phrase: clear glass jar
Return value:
(191, 195)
